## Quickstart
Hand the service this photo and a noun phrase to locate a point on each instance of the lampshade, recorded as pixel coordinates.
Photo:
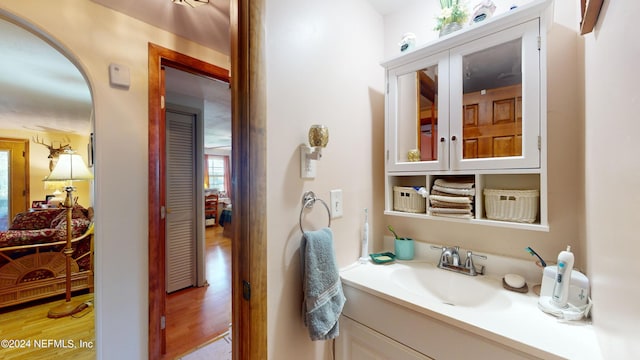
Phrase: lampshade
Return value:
(53, 185)
(70, 167)
(192, 3)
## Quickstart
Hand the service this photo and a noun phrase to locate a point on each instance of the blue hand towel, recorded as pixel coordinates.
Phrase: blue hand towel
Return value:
(321, 285)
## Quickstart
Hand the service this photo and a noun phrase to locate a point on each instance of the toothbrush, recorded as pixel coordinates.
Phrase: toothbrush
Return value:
(394, 233)
(364, 251)
(533, 253)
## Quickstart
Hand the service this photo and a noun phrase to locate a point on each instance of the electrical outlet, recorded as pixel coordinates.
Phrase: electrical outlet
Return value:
(336, 203)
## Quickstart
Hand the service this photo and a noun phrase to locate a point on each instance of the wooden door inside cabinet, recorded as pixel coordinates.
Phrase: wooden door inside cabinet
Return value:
(492, 123)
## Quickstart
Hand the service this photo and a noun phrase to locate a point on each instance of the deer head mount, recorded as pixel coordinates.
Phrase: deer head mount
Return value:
(54, 152)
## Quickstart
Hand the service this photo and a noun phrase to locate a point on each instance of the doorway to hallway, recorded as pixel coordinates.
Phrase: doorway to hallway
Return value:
(158, 58)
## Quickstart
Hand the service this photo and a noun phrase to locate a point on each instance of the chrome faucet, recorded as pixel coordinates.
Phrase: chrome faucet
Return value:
(450, 260)
(447, 256)
(469, 265)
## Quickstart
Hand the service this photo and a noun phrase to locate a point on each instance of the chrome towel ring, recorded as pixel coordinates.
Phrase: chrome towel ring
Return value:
(308, 200)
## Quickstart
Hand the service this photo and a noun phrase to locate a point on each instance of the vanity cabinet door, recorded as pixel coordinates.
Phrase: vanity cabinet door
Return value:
(418, 115)
(495, 101)
(358, 342)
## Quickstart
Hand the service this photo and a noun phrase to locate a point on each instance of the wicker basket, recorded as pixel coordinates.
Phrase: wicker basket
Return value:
(511, 205)
(407, 199)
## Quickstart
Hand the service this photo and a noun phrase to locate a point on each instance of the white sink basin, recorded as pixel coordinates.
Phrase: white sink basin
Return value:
(451, 288)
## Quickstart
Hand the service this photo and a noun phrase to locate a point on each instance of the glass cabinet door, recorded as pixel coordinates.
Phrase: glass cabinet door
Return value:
(418, 106)
(495, 102)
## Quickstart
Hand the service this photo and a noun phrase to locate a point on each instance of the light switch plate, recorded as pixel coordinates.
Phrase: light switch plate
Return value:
(336, 203)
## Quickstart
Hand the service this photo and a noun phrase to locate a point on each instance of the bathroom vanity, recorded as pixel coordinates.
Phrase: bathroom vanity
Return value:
(472, 105)
(413, 310)
(468, 108)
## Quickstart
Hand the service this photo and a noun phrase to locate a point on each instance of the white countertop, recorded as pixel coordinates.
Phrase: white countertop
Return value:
(521, 325)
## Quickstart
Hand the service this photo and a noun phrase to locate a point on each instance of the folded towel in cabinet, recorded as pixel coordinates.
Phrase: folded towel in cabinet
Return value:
(455, 183)
(436, 192)
(448, 211)
(445, 204)
(459, 216)
(322, 289)
(456, 191)
(451, 199)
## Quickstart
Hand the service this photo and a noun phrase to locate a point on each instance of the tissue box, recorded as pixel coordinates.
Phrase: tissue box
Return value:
(578, 286)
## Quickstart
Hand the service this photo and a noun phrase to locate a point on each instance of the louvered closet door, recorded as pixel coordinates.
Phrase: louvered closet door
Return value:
(181, 202)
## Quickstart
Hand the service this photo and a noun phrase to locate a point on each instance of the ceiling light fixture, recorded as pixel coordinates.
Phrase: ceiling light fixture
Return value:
(191, 3)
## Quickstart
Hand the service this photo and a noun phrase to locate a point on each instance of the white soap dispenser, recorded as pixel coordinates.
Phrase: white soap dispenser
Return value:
(563, 278)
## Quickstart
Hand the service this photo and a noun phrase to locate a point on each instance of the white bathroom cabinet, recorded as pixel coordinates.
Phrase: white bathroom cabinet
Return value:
(472, 104)
(374, 328)
(358, 342)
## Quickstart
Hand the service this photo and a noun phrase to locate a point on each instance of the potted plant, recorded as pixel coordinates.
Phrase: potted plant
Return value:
(403, 247)
(453, 14)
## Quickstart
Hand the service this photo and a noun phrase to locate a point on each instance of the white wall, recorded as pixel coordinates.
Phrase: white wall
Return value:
(322, 67)
(419, 17)
(97, 36)
(613, 175)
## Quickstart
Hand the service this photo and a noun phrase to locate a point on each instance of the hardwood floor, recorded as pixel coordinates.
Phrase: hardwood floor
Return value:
(196, 316)
(27, 332)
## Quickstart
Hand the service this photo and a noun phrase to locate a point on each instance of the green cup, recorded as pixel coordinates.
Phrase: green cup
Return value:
(404, 249)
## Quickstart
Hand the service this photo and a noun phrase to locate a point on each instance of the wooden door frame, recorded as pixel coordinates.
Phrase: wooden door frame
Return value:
(248, 317)
(159, 57)
(248, 98)
(249, 280)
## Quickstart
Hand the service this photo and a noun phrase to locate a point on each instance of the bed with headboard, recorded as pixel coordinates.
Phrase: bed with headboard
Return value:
(32, 261)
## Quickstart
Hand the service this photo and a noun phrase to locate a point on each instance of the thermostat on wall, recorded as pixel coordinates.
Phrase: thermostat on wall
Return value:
(119, 75)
